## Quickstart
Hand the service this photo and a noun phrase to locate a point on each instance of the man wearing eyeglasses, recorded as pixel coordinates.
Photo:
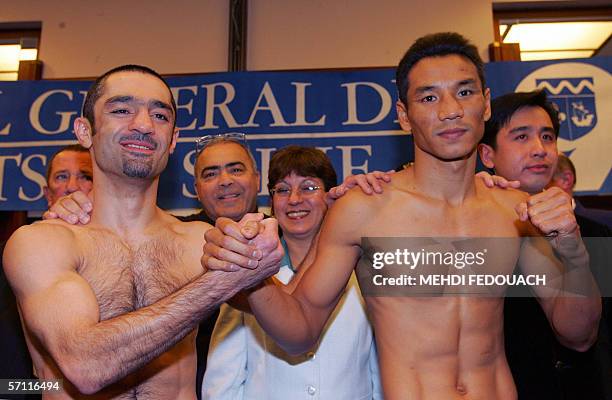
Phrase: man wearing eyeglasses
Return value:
(111, 307)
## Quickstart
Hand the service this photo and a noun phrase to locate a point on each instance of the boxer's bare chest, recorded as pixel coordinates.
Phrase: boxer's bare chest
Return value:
(129, 275)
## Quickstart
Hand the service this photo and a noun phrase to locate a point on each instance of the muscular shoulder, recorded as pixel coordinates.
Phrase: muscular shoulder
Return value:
(508, 198)
(352, 214)
(506, 201)
(355, 205)
(41, 237)
(46, 247)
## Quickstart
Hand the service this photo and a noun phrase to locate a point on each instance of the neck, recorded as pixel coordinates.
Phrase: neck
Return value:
(124, 204)
(450, 181)
(298, 248)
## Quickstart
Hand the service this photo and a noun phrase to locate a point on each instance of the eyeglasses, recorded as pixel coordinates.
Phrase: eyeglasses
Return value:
(204, 141)
(303, 190)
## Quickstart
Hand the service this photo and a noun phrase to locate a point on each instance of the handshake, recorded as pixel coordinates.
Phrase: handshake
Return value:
(251, 246)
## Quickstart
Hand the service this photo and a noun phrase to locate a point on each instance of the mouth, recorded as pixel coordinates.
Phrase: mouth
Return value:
(138, 146)
(538, 168)
(299, 214)
(228, 196)
(453, 133)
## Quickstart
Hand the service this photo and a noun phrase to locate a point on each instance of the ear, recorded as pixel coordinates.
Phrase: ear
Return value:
(175, 135)
(402, 116)
(83, 131)
(487, 96)
(487, 155)
(566, 180)
(258, 181)
(195, 189)
(47, 195)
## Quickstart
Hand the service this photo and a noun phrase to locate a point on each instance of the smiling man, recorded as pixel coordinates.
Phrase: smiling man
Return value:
(433, 347)
(112, 307)
(226, 177)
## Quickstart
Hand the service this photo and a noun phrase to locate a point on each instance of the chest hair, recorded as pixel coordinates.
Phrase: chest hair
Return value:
(126, 277)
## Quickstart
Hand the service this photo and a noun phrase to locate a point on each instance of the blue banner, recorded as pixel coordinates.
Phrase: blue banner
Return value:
(348, 114)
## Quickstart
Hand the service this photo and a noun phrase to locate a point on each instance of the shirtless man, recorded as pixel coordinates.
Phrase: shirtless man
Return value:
(429, 348)
(111, 307)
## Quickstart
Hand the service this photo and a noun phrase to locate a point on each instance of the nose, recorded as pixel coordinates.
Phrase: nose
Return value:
(225, 179)
(537, 148)
(449, 108)
(295, 197)
(72, 185)
(142, 122)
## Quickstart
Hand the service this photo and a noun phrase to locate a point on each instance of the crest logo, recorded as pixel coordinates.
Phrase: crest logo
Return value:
(574, 98)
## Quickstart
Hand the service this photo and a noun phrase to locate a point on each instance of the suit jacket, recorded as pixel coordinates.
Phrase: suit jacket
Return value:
(543, 368)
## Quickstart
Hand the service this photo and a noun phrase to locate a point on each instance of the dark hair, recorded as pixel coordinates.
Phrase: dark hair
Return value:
(435, 45)
(304, 161)
(504, 107)
(73, 147)
(97, 88)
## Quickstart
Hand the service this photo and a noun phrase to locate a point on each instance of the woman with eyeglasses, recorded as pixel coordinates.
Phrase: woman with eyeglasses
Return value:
(243, 362)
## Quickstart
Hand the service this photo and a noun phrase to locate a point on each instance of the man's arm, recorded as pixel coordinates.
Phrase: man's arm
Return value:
(60, 308)
(573, 308)
(296, 320)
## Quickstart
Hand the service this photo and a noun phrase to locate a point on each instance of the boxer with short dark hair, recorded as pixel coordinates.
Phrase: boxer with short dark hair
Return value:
(111, 307)
(435, 347)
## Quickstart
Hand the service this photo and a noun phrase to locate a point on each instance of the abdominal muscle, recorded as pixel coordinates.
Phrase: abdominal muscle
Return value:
(441, 348)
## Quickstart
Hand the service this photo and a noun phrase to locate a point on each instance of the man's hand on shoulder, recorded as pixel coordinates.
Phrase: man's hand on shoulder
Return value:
(73, 208)
(368, 183)
(497, 181)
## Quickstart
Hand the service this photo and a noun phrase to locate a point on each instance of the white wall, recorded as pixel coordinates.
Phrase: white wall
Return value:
(82, 38)
(355, 33)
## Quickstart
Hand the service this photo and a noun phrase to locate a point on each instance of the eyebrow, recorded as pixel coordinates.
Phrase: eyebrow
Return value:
(422, 89)
(218, 167)
(518, 129)
(129, 99)
(524, 128)
(119, 99)
(464, 82)
(161, 104)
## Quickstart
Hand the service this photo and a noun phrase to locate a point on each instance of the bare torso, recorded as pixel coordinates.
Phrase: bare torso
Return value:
(442, 347)
(126, 276)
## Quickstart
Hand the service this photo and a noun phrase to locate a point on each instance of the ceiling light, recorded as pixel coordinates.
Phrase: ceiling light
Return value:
(559, 35)
(9, 57)
(28, 54)
(554, 55)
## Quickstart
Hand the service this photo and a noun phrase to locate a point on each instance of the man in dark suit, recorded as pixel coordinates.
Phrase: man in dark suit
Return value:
(520, 143)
